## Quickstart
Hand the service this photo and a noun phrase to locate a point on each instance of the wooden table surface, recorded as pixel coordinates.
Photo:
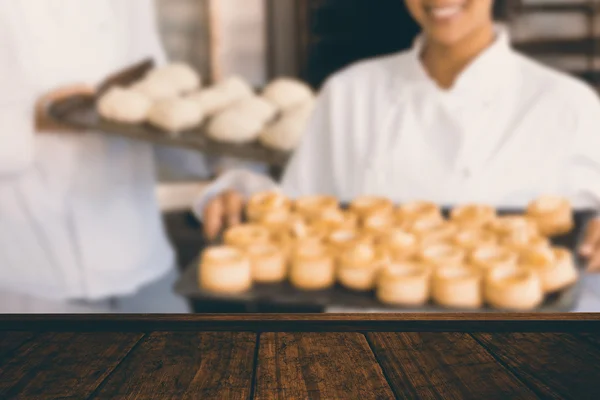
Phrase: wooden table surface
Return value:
(449, 356)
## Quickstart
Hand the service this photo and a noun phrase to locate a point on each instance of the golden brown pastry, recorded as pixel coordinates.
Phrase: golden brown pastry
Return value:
(473, 215)
(379, 223)
(492, 256)
(268, 262)
(513, 288)
(364, 206)
(263, 203)
(554, 266)
(337, 219)
(400, 245)
(442, 255)
(359, 265)
(457, 286)
(313, 206)
(312, 266)
(514, 224)
(472, 238)
(224, 269)
(418, 210)
(429, 234)
(406, 284)
(519, 242)
(553, 215)
(280, 220)
(342, 239)
(246, 234)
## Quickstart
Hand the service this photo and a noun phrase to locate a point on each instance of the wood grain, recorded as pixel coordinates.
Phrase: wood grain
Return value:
(443, 366)
(555, 365)
(9, 341)
(60, 365)
(185, 366)
(318, 365)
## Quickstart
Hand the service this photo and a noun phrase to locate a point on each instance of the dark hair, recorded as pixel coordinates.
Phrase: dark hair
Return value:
(501, 10)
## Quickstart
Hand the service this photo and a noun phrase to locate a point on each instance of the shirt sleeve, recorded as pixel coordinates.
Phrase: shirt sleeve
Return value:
(145, 39)
(17, 101)
(312, 168)
(584, 163)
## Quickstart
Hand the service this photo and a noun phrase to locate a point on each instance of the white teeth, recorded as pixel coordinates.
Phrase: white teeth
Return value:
(445, 12)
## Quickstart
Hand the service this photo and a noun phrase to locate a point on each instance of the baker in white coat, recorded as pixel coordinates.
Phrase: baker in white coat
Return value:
(80, 227)
(459, 118)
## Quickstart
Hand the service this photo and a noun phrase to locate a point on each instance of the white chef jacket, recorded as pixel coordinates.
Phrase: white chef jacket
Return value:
(78, 213)
(508, 130)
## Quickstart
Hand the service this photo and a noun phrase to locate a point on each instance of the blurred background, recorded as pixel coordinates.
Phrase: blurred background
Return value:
(311, 39)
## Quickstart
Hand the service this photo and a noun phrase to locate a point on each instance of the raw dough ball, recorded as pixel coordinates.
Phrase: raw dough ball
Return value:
(222, 95)
(155, 89)
(180, 76)
(257, 107)
(285, 134)
(124, 105)
(287, 93)
(235, 126)
(175, 115)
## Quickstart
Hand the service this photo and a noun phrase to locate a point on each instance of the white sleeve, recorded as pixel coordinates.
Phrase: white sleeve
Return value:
(312, 169)
(145, 40)
(584, 163)
(17, 101)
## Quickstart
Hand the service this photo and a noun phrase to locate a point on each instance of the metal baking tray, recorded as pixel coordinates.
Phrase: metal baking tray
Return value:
(284, 294)
(80, 112)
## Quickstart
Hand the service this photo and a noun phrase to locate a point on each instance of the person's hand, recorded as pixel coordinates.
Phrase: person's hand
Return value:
(43, 122)
(590, 249)
(222, 211)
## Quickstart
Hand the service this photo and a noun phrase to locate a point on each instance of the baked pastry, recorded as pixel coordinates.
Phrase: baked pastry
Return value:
(285, 134)
(442, 255)
(379, 222)
(489, 257)
(514, 224)
(242, 236)
(520, 242)
(268, 262)
(334, 219)
(182, 77)
(263, 203)
(224, 269)
(286, 93)
(342, 239)
(280, 220)
(175, 115)
(256, 107)
(400, 244)
(473, 215)
(358, 266)
(312, 266)
(406, 284)
(364, 206)
(313, 206)
(553, 215)
(124, 105)
(472, 238)
(457, 286)
(418, 210)
(554, 266)
(431, 232)
(513, 288)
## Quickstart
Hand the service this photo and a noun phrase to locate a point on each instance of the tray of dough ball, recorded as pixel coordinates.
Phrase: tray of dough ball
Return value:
(373, 254)
(168, 105)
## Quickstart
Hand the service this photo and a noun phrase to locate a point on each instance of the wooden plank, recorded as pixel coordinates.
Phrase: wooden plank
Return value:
(443, 366)
(10, 341)
(387, 322)
(60, 365)
(318, 366)
(185, 366)
(555, 365)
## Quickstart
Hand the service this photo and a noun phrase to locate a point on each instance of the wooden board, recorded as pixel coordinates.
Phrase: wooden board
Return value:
(286, 294)
(443, 366)
(318, 365)
(80, 112)
(554, 365)
(186, 365)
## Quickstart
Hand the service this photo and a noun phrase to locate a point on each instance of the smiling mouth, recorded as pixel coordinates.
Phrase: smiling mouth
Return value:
(445, 12)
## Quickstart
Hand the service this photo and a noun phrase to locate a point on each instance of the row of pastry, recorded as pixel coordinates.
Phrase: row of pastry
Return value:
(172, 99)
(409, 255)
